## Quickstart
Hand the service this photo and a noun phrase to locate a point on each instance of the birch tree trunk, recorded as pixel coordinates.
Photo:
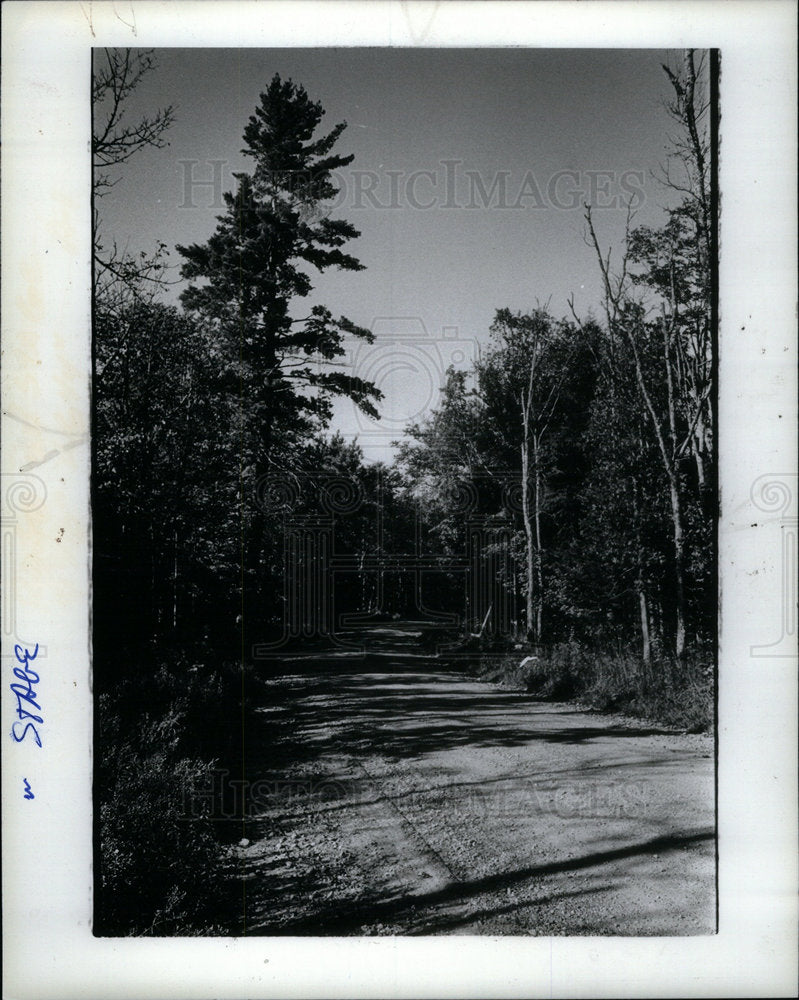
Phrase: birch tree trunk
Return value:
(528, 529)
(646, 649)
(539, 572)
(618, 318)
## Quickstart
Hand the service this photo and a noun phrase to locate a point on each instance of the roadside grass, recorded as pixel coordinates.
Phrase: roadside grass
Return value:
(676, 693)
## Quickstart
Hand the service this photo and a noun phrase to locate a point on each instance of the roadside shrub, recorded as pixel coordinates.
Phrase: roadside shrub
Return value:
(557, 673)
(159, 866)
(675, 693)
(161, 731)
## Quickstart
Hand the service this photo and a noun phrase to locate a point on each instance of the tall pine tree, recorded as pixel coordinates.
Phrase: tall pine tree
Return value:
(283, 367)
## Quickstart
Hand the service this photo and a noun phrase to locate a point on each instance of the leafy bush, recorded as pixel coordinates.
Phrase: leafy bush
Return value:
(159, 870)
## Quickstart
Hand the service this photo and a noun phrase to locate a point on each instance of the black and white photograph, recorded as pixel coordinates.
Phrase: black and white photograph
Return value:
(404, 491)
(399, 497)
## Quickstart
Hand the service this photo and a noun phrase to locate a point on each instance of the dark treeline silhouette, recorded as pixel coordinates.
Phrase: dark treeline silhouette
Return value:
(571, 472)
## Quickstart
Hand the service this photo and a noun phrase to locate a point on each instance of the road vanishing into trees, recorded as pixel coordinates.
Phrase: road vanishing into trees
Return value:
(392, 794)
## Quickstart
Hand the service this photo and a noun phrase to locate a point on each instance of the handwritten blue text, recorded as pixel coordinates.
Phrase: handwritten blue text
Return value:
(28, 708)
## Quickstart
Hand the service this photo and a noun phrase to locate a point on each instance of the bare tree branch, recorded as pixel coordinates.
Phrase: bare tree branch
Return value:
(117, 74)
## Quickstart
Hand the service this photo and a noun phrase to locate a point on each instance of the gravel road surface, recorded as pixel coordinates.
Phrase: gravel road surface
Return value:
(388, 795)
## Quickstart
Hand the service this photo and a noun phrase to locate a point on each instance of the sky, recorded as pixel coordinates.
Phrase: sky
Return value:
(471, 168)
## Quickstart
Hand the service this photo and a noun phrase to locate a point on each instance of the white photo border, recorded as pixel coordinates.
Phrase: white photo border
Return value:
(49, 948)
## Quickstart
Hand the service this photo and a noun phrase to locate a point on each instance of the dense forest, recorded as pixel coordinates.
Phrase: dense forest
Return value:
(563, 490)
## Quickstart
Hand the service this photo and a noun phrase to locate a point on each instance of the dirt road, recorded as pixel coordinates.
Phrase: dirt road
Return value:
(390, 796)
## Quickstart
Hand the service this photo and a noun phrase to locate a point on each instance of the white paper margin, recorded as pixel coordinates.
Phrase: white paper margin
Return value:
(49, 950)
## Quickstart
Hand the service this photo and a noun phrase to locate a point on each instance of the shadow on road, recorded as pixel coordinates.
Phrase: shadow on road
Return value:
(339, 921)
(410, 756)
(403, 714)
